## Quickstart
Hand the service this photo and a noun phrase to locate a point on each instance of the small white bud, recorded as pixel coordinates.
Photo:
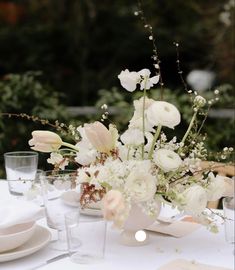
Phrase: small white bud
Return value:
(199, 101)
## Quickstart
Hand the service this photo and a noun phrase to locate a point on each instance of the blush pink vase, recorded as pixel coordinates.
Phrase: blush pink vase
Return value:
(136, 221)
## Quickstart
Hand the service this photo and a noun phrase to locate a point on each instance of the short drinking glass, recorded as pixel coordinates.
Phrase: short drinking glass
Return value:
(58, 188)
(86, 236)
(21, 169)
(229, 215)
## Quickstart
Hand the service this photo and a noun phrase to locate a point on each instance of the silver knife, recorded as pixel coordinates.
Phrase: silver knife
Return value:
(54, 259)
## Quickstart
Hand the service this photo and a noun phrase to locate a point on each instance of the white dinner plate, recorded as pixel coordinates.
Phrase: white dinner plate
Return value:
(40, 238)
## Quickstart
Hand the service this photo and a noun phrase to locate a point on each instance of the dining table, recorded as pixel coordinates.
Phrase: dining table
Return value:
(200, 246)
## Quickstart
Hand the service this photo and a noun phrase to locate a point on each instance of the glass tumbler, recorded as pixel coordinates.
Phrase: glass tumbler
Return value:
(86, 237)
(21, 169)
(60, 196)
(229, 215)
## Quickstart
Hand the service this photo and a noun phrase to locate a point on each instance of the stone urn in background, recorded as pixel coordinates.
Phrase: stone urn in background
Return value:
(137, 221)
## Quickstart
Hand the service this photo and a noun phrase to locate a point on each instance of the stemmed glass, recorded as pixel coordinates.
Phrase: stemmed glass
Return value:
(60, 195)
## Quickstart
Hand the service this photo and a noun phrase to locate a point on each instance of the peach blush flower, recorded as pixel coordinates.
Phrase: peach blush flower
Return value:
(99, 136)
(45, 141)
(114, 208)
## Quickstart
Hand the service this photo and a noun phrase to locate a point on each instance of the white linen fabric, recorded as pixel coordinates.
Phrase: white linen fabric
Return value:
(14, 211)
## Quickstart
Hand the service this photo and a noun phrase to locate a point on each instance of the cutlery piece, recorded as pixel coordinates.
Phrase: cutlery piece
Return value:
(54, 259)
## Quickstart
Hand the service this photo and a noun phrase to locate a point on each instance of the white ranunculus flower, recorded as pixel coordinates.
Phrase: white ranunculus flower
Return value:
(167, 160)
(164, 114)
(137, 119)
(216, 187)
(129, 80)
(132, 137)
(195, 199)
(147, 82)
(141, 185)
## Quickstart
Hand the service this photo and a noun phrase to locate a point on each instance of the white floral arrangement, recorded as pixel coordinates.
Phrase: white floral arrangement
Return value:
(140, 166)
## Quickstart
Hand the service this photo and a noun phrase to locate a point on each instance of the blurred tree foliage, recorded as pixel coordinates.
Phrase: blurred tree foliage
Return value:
(81, 45)
(25, 94)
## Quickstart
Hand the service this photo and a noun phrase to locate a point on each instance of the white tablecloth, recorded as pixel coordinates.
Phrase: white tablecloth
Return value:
(201, 246)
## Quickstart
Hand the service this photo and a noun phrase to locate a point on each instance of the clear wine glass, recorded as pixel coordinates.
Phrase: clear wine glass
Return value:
(60, 196)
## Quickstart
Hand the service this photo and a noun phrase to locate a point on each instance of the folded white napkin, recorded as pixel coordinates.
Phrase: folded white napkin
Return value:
(13, 212)
(181, 264)
(178, 228)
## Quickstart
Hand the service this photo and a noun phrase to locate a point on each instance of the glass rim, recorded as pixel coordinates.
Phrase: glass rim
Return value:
(20, 154)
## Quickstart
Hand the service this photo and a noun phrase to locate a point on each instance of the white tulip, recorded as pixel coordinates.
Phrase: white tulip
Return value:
(164, 114)
(45, 141)
(167, 160)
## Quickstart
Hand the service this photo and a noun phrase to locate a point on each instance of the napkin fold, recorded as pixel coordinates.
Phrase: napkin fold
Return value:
(14, 212)
(181, 264)
(178, 228)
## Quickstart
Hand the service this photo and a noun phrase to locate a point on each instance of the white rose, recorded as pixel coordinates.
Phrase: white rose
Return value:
(132, 137)
(167, 160)
(164, 114)
(141, 185)
(129, 80)
(195, 199)
(147, 82)
(216, 187)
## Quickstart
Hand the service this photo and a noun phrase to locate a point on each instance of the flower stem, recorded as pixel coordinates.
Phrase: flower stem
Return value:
(154, 141)
(69, 145)
(189, 127)
(143, 116)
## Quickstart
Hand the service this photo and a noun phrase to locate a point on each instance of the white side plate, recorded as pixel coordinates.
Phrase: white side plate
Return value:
(40, 239)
